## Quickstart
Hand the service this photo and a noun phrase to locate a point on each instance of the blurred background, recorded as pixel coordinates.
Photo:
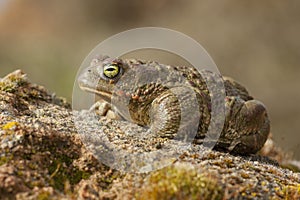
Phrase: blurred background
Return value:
(255, 42)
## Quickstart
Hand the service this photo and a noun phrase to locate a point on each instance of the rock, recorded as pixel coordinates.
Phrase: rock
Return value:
(42, 156)
(10, 183)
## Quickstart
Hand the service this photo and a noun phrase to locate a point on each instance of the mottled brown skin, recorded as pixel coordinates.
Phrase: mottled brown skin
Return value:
(140, 97)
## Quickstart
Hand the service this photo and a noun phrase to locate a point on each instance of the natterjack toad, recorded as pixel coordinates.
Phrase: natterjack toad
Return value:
(151, 102)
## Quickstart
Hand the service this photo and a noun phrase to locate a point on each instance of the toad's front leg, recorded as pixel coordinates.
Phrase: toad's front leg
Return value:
(175, 113)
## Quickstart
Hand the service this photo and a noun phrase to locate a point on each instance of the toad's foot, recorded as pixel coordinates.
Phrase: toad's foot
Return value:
(253, 126)
(102, 108)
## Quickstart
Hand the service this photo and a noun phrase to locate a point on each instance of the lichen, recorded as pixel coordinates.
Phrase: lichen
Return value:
(10, 125)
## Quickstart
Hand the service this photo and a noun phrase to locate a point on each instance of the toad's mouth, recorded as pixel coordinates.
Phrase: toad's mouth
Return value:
(105, 95)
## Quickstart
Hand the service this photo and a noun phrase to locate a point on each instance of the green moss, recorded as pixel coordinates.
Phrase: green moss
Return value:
(32, 165)
(291, 191)
(12, 82)
(287, 191)
(107, 181)
(180, 182)
(62, 171)
(6, 88)
(77, 175)
(4, 159)
(291, 167)
(43, 196)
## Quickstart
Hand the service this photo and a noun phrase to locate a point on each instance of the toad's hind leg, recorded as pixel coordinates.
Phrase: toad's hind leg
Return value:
(253, 126)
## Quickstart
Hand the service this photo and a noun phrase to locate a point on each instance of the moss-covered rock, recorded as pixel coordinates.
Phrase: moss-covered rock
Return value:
(42, 157)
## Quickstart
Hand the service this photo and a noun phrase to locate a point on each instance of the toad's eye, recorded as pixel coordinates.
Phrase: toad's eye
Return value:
(111, 71)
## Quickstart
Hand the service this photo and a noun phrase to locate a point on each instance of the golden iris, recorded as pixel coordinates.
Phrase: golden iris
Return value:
(111, 71)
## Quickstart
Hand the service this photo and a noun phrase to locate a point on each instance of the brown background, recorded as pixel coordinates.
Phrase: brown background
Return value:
(255, 42)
